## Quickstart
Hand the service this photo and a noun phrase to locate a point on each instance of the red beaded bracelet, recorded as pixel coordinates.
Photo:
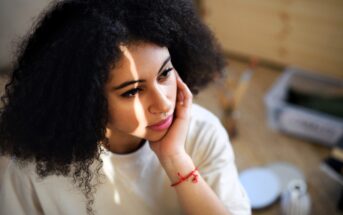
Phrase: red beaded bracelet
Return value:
(184, 178)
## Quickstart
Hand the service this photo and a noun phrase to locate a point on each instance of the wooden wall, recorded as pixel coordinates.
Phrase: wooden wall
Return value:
(305, 33)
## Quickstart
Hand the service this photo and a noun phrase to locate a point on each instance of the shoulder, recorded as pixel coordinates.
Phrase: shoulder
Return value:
(202, 120)
(207, 138)
(23, 177)
(203, 116)
(22, 189)
(205, 123)
(15, 174)
(16, 190)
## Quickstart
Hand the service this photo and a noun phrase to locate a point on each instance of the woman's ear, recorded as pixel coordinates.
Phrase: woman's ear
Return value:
(108, 132)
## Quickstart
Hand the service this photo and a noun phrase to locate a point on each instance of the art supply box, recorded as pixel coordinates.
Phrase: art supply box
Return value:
(300, 120)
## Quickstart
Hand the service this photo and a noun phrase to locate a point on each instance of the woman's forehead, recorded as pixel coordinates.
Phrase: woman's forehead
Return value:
(137, 61)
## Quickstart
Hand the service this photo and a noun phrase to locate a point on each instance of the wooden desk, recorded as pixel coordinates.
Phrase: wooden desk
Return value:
(257, 145)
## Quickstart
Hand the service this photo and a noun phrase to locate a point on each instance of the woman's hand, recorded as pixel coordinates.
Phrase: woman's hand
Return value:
(171, 152)
(172, 144)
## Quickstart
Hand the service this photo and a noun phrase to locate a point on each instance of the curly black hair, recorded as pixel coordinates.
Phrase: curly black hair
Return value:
(54, 109)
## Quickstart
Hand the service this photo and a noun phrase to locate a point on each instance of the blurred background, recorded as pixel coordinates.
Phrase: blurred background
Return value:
(280, 100)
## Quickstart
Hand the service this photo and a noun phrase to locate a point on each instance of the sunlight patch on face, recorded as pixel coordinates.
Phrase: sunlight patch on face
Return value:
(138, 106)
(133, 68)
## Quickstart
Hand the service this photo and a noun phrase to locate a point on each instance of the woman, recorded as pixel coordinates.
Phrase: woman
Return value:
(99, 99)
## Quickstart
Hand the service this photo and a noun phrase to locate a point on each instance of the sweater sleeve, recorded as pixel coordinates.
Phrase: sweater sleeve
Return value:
(212, 152)
(17, 195)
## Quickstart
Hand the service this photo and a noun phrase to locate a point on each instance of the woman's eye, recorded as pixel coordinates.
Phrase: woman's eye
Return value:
(165, 74)
(131, 93)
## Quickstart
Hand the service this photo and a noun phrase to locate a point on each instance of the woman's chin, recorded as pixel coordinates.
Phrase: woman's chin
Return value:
(155, 137)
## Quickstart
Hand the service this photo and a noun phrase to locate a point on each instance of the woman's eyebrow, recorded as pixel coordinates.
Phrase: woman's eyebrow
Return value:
(139, 81)
(163, 64)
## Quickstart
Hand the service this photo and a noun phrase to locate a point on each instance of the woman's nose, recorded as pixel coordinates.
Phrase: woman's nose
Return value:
(160, 102)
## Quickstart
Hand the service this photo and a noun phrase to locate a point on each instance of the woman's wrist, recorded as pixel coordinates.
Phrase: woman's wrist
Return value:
(180, 163)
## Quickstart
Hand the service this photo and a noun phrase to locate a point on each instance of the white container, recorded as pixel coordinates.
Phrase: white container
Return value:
(300, 121)
(295, 200)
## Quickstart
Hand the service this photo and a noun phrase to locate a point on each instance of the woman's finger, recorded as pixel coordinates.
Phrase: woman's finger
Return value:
(185, 92)
(184, 98)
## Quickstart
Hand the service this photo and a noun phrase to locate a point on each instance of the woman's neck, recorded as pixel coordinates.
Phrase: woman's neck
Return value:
(123, 145)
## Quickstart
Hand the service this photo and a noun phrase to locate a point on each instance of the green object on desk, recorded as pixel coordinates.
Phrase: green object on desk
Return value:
(330, 104)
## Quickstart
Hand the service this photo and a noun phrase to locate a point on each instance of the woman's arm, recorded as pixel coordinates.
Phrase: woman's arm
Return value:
(195, 198)
(16, 193)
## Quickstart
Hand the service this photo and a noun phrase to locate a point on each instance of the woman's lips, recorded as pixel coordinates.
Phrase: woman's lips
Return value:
(166, 123)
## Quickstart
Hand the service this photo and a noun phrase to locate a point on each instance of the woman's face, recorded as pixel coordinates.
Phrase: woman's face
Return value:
(141, 92)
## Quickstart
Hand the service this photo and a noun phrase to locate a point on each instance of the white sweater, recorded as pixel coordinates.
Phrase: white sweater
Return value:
(133, 183)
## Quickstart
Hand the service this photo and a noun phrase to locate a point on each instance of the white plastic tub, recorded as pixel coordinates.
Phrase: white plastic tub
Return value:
(300, 121)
